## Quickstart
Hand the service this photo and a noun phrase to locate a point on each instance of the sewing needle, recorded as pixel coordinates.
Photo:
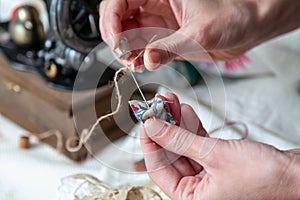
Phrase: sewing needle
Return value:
(134, 79)
(138, 87)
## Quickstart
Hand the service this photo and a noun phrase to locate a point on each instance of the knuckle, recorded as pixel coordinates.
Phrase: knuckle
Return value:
(186, 188)
(205, 37)
(208, 150)
(183, 141)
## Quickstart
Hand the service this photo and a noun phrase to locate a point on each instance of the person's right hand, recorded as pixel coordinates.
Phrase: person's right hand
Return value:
(186, 164)
(225, 28)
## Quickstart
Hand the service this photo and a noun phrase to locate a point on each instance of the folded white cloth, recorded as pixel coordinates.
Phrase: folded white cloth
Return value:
(35, 173)
(271, 102)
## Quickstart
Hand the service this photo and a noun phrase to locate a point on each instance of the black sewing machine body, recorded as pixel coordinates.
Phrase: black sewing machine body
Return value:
(73, 33)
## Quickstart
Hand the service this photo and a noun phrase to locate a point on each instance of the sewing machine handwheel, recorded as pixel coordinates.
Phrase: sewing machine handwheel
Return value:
(76, 23)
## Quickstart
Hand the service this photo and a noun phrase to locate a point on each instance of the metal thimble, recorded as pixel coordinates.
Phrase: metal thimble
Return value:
(123, 51)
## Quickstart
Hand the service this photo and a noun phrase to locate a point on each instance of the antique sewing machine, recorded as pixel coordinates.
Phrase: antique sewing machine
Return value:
(58, 53)
(38, 71)
(45, 76)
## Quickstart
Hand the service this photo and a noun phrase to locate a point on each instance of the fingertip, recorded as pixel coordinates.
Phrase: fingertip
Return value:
(113, 40)
(191, 120)
(186, 109)
(110, 27)
(101, 20)
(174, 107)
(137, 66)
(152, 59)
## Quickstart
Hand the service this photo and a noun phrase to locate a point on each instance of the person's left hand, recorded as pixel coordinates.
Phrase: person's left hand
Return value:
(187, 165)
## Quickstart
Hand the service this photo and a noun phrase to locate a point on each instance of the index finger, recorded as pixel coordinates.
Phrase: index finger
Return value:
(111, 15)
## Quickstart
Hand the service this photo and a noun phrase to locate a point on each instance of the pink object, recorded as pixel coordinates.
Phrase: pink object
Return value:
(237, 63)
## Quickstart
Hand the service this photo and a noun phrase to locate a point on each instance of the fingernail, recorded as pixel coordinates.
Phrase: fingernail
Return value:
(155, 128)
(140, 69)
(152, 60)
(112, 41)
(155, 56)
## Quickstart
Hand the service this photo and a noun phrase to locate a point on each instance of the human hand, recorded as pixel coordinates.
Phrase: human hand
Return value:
(226, 29)
(187, 165)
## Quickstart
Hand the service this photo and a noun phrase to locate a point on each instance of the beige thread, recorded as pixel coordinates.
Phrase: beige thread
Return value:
(57, 134)
(86, 134)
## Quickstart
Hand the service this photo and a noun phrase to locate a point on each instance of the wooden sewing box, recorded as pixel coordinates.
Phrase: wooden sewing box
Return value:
(27, 100)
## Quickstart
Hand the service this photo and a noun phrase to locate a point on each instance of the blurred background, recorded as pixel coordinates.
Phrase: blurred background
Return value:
(37, 77)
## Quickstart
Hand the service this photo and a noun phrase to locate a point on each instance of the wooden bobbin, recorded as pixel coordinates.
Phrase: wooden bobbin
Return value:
(52, 70)
(24, 142)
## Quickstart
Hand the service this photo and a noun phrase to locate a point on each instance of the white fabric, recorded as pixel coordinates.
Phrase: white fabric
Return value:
(35, 173)
(270, 102)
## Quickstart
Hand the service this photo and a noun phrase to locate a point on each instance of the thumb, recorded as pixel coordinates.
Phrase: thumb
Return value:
(182, 142)
(165, 50)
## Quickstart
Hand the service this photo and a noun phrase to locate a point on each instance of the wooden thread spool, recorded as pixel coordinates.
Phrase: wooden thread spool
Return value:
(52, 70)
(24, 142)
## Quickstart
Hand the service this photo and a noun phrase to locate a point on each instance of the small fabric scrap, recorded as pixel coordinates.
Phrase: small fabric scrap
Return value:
(156, 107)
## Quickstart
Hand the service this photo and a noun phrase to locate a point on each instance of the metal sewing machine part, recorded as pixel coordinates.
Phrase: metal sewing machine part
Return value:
(59, 53)
(123, 51)
(26, 29)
